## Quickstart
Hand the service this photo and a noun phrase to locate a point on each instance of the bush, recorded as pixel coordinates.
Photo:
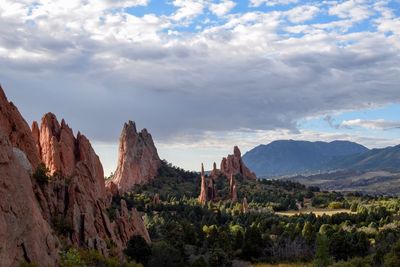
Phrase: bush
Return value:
(165, 255)
(61, 225)
(41, 174)
(335, 205)
(71, 258)
(137, 249)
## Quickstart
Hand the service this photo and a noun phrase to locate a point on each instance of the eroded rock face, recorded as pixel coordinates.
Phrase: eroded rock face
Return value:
(203, 187)
(77, 195)
(208, 191)
(138, 160)
(233, 164)
(24, 234)
(17, 131)
(71, 205)
(232, 188)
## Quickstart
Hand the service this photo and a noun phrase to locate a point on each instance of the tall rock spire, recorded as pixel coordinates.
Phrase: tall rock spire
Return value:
(232, 189)
(203, 187)
(138, 160)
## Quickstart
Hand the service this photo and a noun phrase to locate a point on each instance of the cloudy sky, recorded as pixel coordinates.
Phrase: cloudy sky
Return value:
(204, 75)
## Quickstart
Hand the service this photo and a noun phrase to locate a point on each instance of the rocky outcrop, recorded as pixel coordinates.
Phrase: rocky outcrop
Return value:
(17, 131)
(24, 234)
(76, 196)
(245, 205)
(233, 164)
(232, 189)
(138, 160)
(203, 188)
(71, 205)
(207, 188)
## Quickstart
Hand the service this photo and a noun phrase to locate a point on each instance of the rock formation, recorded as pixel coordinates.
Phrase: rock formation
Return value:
(138, 160)
(215, 172)
(76, 194)
(24, 234)
(233, 164)
(17, 131)
(245, 205)
(207, 188)
(232, 189)
(156, 199)
(203, 187)
(72, 204)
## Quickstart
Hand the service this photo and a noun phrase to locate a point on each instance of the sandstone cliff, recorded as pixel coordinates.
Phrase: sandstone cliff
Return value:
(24, 234)
(70, 205)
(76, 195)
(138, 160)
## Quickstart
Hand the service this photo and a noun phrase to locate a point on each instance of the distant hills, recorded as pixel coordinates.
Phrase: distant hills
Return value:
(387, 159)
(338, 165)
(290, 157)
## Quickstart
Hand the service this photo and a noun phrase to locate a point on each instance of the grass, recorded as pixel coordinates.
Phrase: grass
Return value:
(316, 211)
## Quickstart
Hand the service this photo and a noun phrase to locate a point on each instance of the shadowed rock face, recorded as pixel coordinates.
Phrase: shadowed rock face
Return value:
(233, 164)
(24, 234)
(17, 131)
(138, 160)
(74, 195)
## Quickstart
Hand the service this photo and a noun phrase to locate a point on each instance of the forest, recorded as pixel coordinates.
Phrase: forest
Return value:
(356, 230)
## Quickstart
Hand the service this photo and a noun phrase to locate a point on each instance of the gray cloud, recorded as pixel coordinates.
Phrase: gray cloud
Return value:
(248, 77)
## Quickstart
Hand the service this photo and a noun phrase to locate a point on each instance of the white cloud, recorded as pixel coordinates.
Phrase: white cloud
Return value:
(188, 9)
(256, 3)
(379, 124)
(356, 10)
(90, 63)
(301, 13)
(222, 8)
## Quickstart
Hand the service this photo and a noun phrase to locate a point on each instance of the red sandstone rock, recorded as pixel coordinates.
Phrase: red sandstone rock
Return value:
(17, 131)
(24, 234)
(77, 194)
(232, 189)
(245, 206)
(207, 188)
(203, 188)
(234, 164)
(138, 160)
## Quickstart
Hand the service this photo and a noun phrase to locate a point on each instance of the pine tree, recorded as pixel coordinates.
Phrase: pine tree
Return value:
(322, 257)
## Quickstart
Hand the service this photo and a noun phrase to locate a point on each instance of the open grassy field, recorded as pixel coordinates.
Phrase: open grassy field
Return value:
(316, 211)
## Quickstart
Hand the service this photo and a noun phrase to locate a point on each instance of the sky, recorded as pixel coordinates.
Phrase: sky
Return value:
(205, 75)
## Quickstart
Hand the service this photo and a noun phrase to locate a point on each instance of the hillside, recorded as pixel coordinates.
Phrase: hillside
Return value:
(285, 157)
(376, 159)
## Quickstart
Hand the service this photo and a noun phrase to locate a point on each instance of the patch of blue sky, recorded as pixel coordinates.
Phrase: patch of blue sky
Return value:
(394, 5)
(388, 113)
(366, 25)
(156, 7)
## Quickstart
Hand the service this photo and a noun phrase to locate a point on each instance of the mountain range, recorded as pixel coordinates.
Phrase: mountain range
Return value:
(290, 157)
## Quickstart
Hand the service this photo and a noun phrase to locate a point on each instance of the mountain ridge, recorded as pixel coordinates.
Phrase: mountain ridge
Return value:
(285, 157)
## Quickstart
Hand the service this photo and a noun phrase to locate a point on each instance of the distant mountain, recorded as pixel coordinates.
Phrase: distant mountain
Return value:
(387, 159)
(286, 157)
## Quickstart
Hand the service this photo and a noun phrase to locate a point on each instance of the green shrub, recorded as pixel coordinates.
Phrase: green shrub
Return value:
(41, 174)
(137, 249)
(71, 258)
(61, 225)
(335, 205)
